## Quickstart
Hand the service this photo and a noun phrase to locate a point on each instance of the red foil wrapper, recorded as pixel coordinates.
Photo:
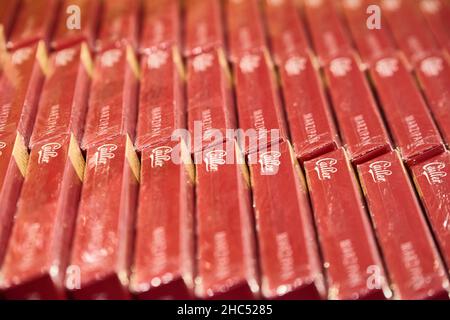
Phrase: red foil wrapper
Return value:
(38, 251)
(161, 97)
(372, 44)
(433, 73)
(258, 104)
(226, 262)
(7, 15)
(359, 119)
(113, 98)
(327, 30)
(437, 14)
(432, 180)
(407, 114)
(245, 28)
(103, 240)
(64, 98)
(20, 88)
(409, 29)
(164, 247)
(160, 24)
(203, 27)
(351, 259)
(77, 22)
(288, 253)
(286, 31)
(415, 268)
(13, 166)
(119, 25)
(312, 127)
(34, 22)
(210, 99)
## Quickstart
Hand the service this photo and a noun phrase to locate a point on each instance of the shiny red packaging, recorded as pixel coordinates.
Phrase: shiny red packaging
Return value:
(285, 29)
(77, 22)
(245, 28)
(226, 262)
(372, 44)
(64, 98)
(409, 28)
(161, 97)
(103, 240)
(432, 180)
(288, 253)
(406, 112)
(160, 24)
(437, 14)
(7, 15)
(164, 246)
(433, 73)
(351, 259)
(20, 89)
(203, 27)
(38, 251)
(210, 99)
(312, 127)
(359, 119)
(119, 26)
(113, 97)
(328, 34)
(13, 165)
(259, 108)
(34, 22)
(416, 271)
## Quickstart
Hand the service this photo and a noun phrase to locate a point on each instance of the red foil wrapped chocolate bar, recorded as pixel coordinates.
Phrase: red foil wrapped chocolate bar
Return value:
(160, 24)
(77, 22)
(245, 28)
(20, 89)
(433, 73)
(288, 254)
(359, 119)
(311, 127)
(103, 240)
(7, 15)
(407, 114)
(119, 25)
(38, 251)
(437, 14)
(327, 31)
(113, 98)
(258, 104)
(13, 165)
(373, 43)
(226, 262)
(33, 23)
(412, 259)
(64, 98)
(432, 180)
(351, 259)
(211, 109)
(161, 97)
(409, 28)
(203, 27)
(164, 247)
(285, 29)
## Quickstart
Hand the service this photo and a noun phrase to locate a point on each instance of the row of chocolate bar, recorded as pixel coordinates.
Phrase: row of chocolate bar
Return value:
(116, 226)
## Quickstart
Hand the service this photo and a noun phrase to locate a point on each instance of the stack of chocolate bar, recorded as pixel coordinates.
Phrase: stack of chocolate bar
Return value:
(235, 149)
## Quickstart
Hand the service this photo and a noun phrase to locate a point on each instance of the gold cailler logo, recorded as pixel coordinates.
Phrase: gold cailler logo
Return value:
(214, 159)
(379, 170)
(434, 172)
(2, 146)
(48, 151)
(104, 153)
(160, 155)
(325, 168)
(270, 162)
